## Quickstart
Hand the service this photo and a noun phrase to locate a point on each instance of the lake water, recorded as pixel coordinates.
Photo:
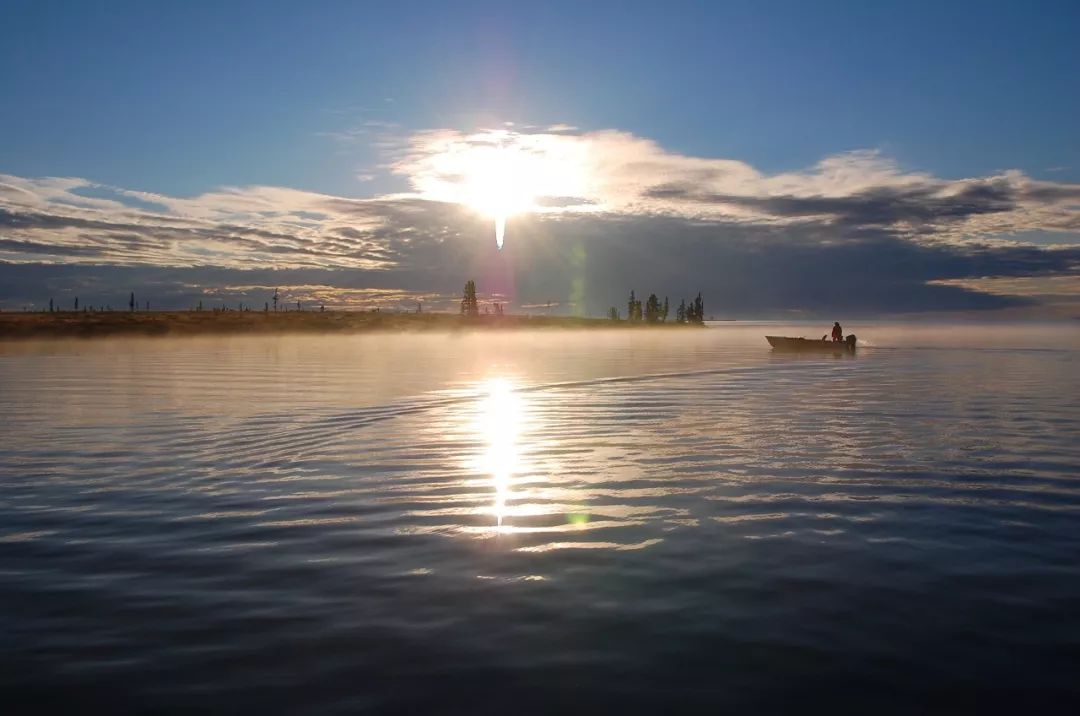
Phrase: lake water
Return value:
(633, 521)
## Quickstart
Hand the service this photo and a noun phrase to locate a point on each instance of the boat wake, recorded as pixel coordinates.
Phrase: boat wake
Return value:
(274, 439)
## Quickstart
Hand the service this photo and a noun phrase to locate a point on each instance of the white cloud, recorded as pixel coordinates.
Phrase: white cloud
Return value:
(617, 172)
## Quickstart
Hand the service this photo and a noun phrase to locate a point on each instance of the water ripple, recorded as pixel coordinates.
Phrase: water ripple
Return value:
(194, 532)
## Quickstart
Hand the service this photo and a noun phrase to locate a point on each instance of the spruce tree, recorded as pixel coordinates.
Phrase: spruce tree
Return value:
(469, 307)
(652, 309)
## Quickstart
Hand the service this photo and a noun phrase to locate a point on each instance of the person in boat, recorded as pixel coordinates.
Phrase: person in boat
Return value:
(837, 332)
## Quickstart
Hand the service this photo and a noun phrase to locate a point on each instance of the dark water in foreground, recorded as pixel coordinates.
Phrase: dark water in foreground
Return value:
(520, 523)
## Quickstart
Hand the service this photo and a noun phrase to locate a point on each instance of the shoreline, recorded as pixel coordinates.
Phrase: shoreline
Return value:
(71, 324)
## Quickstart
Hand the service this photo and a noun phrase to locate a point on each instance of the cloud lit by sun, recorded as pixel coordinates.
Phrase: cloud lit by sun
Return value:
(498, 183)
(502, 173)
(498, 173)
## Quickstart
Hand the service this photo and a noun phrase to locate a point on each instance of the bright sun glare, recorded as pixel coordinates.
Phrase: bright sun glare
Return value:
(498, 185)
(501, 173)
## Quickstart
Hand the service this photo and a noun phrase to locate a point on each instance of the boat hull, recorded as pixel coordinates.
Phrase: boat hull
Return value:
(805, 345)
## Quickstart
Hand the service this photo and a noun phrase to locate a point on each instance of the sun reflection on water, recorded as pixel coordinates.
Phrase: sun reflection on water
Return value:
(500, 422)
(520, 463)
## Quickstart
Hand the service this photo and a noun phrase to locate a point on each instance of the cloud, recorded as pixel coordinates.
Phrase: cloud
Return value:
(912, 207)
(604, 212)
(621, 173)
(1058, 287)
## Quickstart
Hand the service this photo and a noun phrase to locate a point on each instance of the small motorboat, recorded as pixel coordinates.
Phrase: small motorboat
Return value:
(809, 345)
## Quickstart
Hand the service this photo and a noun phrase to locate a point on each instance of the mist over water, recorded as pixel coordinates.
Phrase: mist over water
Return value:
(522, 522)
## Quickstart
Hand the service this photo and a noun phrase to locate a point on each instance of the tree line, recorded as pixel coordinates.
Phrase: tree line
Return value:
(655, 312)
(133, 306)
(54, 306)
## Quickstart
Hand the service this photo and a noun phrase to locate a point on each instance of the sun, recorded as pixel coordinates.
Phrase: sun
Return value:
(503, 173)
(499, 184)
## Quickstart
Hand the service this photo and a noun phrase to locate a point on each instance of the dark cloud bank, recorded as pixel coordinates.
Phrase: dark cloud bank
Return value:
(854, 266)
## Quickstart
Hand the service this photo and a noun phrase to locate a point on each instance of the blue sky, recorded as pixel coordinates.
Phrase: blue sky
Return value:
(182, 98)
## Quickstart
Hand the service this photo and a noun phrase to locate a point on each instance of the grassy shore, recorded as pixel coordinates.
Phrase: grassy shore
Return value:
(70, 324)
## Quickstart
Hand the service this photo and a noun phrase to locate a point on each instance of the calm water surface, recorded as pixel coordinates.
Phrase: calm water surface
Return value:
(511, 523)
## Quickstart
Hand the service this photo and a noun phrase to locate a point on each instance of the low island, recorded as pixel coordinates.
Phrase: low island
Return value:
(158, 323)
(90, 322)
(69, 324)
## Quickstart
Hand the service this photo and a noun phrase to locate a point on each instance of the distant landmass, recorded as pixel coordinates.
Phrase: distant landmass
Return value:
(64, 324)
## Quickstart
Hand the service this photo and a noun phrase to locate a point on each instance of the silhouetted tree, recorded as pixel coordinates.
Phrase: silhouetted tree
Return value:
(50, 305)
(266, 307)
(469, 307)
(498, 309)
(631, 306)
(613, 313)
(76, 303)
(680, 313)
(131, 302)
(199, 307)
(636, 313)
(652, 309)
(275, 299)
(322, 308)
(298, 308)
(664, 311)
(694, 313)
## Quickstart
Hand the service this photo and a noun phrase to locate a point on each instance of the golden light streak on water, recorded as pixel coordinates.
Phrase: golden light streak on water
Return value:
(500, 423)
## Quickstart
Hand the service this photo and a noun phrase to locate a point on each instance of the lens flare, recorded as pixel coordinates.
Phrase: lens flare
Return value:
(500, 230)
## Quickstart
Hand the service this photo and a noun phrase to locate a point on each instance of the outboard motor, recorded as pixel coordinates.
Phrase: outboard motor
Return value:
(850, 340)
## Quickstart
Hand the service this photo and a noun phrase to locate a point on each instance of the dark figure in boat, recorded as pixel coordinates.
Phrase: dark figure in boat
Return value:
(837, 332)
